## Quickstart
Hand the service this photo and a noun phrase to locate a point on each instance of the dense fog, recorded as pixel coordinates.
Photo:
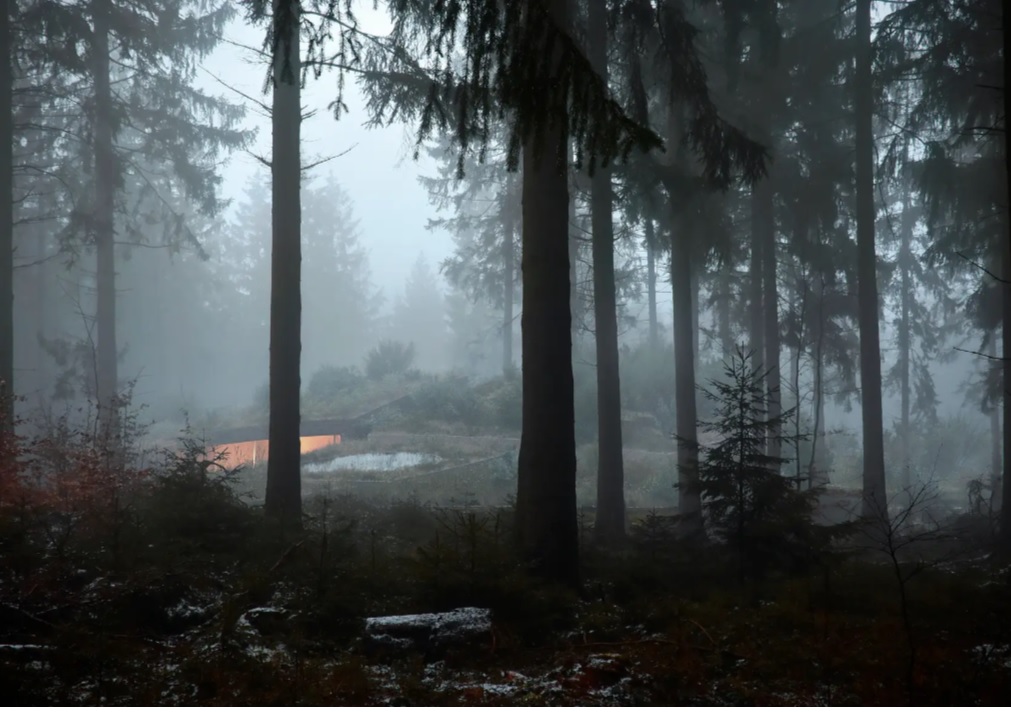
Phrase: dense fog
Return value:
(527, 352)
(390, 254)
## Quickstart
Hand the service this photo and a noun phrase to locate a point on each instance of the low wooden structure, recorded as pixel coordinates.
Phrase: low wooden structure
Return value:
(249, 445)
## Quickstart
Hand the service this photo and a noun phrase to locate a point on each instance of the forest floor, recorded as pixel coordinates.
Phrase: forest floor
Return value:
(171, 589)
(222, 621)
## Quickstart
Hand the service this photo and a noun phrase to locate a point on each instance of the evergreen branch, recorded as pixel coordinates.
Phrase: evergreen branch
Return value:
(987, 356)
(265, 108)
(980, 267)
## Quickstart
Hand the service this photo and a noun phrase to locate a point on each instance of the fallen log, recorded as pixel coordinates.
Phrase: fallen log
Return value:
(428, 633)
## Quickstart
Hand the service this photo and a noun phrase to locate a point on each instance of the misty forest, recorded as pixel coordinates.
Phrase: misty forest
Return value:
(536, 352)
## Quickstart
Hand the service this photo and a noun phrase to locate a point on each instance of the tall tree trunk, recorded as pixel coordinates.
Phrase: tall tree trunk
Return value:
(42, 317)
(1005, 488)
(509, 279)
(696, 310)
(686, 421)
(874, 495)
(815, 468)
(609, 527)
(283, 500)
(766, 224)
(905, 341)
(106, 179)
(575, 299)
(654, 327)
(996, 463)
(756, 325)
(684, 375)
(6, 222)
(546, 522)
(795, 355)
(1005, 516)
(723, 317)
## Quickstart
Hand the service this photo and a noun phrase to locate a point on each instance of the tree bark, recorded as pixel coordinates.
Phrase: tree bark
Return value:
(546, 522)
(106, 178)
(686, 421)
(684, 373)
(575, 299)
(723, 305)
(766, 225)
(816, 472)
(283, 500)
(756, 324)
(874, 495)
(905, 341)
(696, 309)
(609, 527)
(509, 278)
(996, 462)
(654, 327)
(1005, 516)
(795, 355)
(6, 223)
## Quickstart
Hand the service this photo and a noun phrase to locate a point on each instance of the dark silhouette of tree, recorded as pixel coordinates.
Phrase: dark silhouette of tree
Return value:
(748, 503)
(546, 492)
(103, 217)
(283, 500)
(1005, 521)
(523, 57)
(609, 526)
(522, 61)
(6, 220)
(955, 113)
(867, 287)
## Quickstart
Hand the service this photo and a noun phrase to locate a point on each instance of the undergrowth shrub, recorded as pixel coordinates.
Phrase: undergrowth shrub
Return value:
(762, 515)
(502, 401)
(78, 490)
(449, 398)
(194, 504)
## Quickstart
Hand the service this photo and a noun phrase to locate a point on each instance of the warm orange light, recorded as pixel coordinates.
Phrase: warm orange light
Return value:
(253, 452)
(308, 443)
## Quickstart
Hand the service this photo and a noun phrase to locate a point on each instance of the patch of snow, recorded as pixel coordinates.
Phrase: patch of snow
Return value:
(185, 610)
(374, 462)
(499, 688)
(264, 609)
(263, 653)
(989, 653)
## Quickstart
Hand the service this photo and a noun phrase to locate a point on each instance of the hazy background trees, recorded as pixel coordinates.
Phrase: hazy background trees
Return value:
(141, 255)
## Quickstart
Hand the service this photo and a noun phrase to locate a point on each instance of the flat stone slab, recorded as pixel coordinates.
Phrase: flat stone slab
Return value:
(427, 632)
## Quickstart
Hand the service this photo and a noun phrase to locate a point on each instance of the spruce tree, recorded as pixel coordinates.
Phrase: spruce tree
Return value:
(609, 526)
(6, 220)
(956, 114)
(874, 496)
(485, 212)
(142, 115)
(283, 500)
(747, 502)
